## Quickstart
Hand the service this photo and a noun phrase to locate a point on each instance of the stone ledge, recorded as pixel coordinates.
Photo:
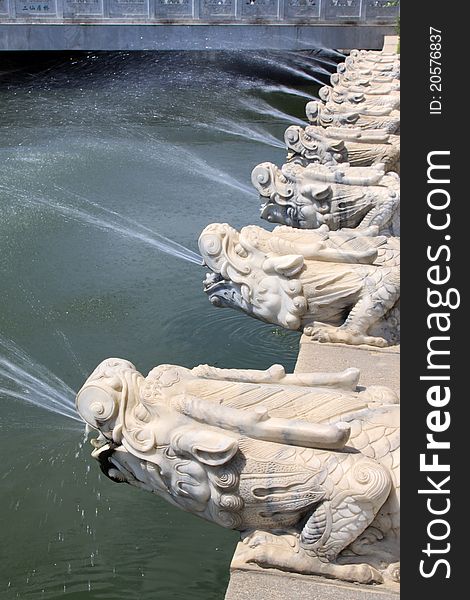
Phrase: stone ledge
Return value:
(270, 584)
(390, 44)
(378, 366)
(195, 36)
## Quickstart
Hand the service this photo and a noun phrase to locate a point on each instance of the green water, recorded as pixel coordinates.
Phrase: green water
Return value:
(130, 134)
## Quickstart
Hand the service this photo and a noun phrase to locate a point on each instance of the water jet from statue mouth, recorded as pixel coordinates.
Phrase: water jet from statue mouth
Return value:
(99, 442)
(109, 467)
(212, 281)
(225, 293)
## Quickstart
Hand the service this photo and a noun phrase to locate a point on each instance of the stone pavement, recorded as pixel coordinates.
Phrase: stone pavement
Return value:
(378, 366)
(270, 584)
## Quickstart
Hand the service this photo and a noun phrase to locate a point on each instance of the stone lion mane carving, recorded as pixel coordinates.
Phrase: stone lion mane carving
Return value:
(332, 146)
(339, 286)
(338, 196)
(304, 466)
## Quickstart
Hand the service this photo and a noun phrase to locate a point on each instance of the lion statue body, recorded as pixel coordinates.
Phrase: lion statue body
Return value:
(304, 466)
(339, 286)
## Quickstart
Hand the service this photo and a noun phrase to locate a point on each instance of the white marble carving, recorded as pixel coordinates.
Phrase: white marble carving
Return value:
(373, 62)
(371, 68)
(338, 196)
(365, 85)
(377, 107)
(335, 145)
(375, 56)
(336, 286)
(331, 115)
(350, 100)
(305, 466)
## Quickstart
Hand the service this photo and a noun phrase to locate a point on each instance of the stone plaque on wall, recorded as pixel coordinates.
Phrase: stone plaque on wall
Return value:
(217, 8)
(83, 8)
(35, 9)
(343, 9)
(305, 9)
(258, 9)
(121, 9)
(173, 9)
(381, 9)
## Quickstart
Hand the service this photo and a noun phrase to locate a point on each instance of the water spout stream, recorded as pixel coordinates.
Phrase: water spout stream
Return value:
(263, 108)
(22, 378)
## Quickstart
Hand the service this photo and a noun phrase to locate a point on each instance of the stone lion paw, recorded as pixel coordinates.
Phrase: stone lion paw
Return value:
(260, 538)
(366, 574)
(393, 572)
(257, 538)
(343, 336)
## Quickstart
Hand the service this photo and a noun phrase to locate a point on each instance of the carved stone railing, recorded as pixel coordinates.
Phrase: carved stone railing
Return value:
(263, 11)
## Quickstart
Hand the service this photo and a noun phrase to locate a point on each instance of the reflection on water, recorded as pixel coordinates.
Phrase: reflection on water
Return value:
(110, 166)
(256, 341)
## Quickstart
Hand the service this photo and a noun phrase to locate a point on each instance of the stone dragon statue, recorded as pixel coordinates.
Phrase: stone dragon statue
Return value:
(304, 466)
(369, 82)
(348, 100)
(335, 145)
(378, 56)
(365, 85)
(337, 196)
(331, 115)
(370, 68)
(336, 286)
(378, 106)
